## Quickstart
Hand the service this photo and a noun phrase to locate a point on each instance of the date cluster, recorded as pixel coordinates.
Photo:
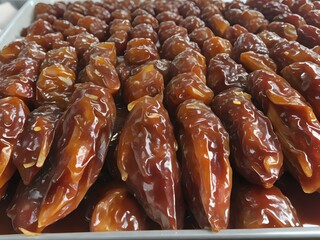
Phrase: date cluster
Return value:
(182, 109)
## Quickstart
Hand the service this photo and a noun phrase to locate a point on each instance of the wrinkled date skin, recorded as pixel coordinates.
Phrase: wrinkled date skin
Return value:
(269, 38)
(17, 78)
(223, 73)
(100, 71)
(186, 86)
(257, 207)
(118, 210)
(66, 56)
(148, 81)
(284, 53)
(248, 42)
(34, 143)
(189, 61)
(141, 50)
(102, 49)
(80, 146)
(13, 115)
(255, 148)
(214, 46)
(305, 77)
(206, 171)
(168, 29)
(55, 86)
(200, 35)
(308, 36)
(284, 30)
(294, 123)
(147, 162)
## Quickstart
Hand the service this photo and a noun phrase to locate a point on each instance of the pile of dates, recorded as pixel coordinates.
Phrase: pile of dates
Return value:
(162, 114)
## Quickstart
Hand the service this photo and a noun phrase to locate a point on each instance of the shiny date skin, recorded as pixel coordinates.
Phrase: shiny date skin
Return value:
(147, 161)
(80, 146)
(224, 72)
(13, 115)
(118, 210)
(255, 148)
(206, 171)
(34, 143)
(304, 77)
(258, 207)
(294, 122)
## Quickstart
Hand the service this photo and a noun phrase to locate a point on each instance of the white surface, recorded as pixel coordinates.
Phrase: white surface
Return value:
(7, 12)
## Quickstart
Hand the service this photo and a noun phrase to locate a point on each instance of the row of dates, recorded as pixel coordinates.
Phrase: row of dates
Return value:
(183, 70)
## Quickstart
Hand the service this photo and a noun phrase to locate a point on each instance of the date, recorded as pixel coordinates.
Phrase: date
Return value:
(147, 159)
(257, 207)
(294, 121)
(256, 151)
(186, 86)
(254, 61)
(34, 142)
(206, 171)
(304, 77)
(223, 73)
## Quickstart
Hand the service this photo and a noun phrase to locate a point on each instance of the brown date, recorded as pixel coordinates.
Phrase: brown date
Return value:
(144, 30)
(254, 61)
(189, 8)
(147, 160)
(294, 19)
(11, 51)
(168, 29)
(255, 149)
(141, 50)
(46, 40)
(73, 30)
(46, 17)
(269, 38)
(60, 25)
(17, 78)
(32, 50)
(120, 25)
(252, 20)
(13, 115)
(162, 65)
(148, 81)
(308, 36)
(271, 9)
(248, 42)
(78, 153)
(120, 39)
(146, 19)
(94, 25)
(284, 30)
(118, 210)
(60, 44)
(304, 77)
(39, 27)
(101, 72)
(100, 12)
(218, 24)
(313, 18)
(169, 16)
(206, 171)
(106, 50)
(223, 73)
(294, 123)
(189, 61)
(233, 32)
(66, 56)
(284, 53)
(257, 207)
(214, 46)
(191, 23)
(200, 35)
(186, 86)
(121, 14)
(34, 143)
(55, 85)
(209, 10)
(81, 42)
